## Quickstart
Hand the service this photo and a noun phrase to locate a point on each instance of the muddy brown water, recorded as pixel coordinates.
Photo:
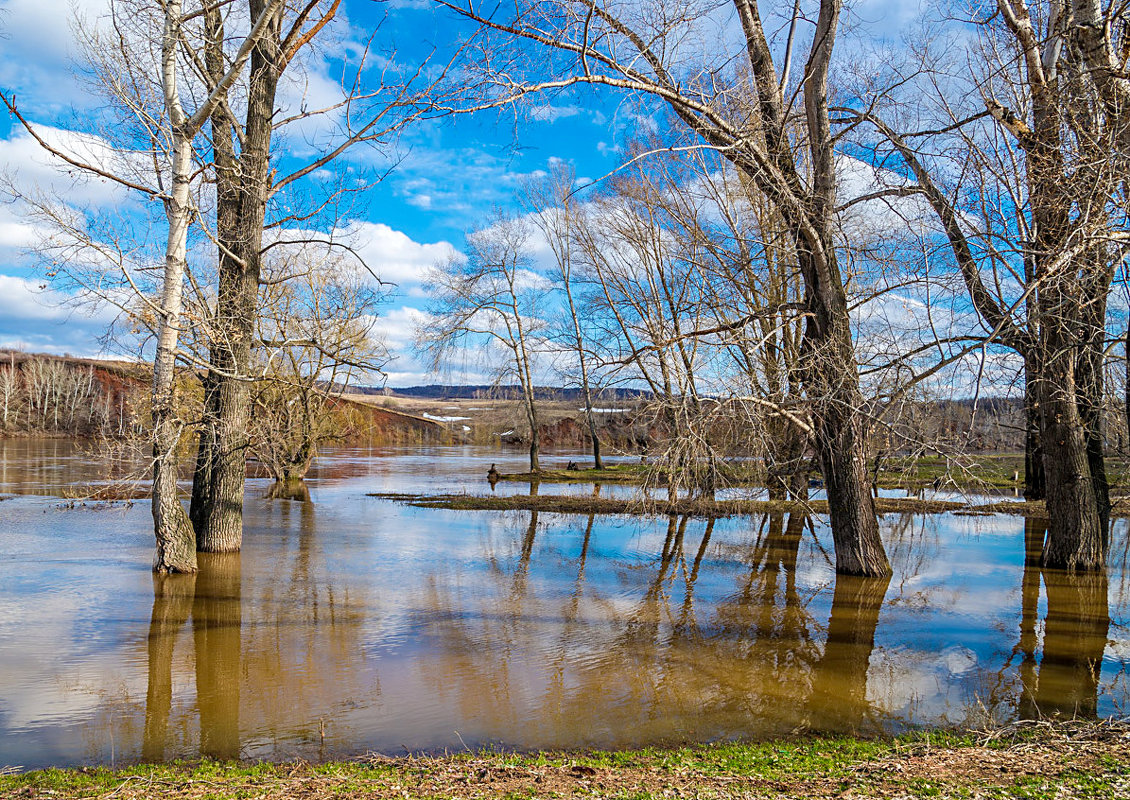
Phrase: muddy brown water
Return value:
(350, 624)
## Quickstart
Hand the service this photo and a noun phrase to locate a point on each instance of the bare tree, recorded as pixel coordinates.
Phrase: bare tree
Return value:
(1046, 153)
(154, 63)
(552, 207)
(315, 334)
(636, 48)
(252, 198)
(493, 299)
(10, 385)
(652, 301)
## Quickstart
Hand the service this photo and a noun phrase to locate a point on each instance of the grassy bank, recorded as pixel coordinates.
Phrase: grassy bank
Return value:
(1022, 761)
(994, 472)
(701, 507)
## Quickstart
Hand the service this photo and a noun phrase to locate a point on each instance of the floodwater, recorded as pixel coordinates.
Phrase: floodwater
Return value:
(351, 624)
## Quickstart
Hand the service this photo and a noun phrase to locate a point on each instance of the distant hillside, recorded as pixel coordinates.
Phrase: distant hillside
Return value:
(65, 396)
(485, 392)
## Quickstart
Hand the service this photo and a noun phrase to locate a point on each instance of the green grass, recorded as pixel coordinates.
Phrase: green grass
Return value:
(818, 767)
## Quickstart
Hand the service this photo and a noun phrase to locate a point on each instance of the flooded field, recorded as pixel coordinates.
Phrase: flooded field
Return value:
(351, 624)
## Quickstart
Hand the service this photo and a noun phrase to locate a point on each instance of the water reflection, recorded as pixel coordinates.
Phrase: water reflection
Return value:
(1075, 636)
(295, 489)
(172, 600)
(214, 599)
(217, 617)
(1076, 626)
(839, 690)
(351, 624)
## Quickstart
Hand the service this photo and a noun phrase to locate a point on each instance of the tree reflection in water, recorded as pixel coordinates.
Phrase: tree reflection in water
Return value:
(695, 629)
(1034, 532)
(839, 682)
(1075, 633)
(1075, 637)
(172, 601)
(213, 597)
(290, 489)
(217, 616)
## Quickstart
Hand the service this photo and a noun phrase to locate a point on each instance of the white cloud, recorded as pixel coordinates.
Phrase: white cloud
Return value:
(394, 256)
(552, 113)
(44, 320)
(33, 169)
(39, 48)
(398, 326)
(15, 234)
(880, 217)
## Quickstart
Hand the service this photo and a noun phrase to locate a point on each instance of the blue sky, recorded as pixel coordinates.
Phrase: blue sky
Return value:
(450, 174)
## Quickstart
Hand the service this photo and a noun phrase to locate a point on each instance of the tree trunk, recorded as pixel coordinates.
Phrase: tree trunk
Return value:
(227, 214)
(176, 541)
(535, 438)
(221, 518)
(1035, 487)
(205, 457)
(833, 375)
(1090, 388)
(1075, 532)
(832, 381)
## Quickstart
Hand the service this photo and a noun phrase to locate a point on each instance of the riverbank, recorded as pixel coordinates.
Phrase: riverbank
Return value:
(1024, 760)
